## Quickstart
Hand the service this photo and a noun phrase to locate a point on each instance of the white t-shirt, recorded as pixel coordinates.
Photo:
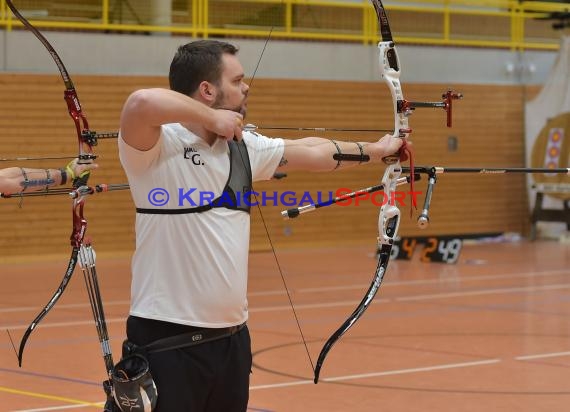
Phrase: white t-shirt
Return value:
(191, 268)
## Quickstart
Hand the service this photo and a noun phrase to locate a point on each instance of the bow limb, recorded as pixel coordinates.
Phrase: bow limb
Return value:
(389, 215)
(76, 238)
(77, 235)
(388, 224)
(383, 258)
(61, 288)
(85, 140)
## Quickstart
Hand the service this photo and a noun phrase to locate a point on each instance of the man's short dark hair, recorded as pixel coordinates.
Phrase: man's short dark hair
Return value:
(196, 62)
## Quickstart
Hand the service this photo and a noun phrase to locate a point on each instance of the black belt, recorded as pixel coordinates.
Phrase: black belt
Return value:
(196, 337)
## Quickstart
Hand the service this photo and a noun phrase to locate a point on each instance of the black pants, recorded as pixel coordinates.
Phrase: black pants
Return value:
(209, 377)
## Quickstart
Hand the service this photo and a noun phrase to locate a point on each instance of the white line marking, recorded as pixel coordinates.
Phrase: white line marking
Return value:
(67, 306)
(61, 324)
(312, 305)
(463, 279)
(57, 408)
(349, 303)
(543, 355)
(361, 286)
(377, 374)
(485, 292)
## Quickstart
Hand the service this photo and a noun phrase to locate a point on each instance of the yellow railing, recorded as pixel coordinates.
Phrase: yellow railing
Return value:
(475, 23)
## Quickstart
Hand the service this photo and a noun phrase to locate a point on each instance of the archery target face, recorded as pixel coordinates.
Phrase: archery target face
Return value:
(552, 150)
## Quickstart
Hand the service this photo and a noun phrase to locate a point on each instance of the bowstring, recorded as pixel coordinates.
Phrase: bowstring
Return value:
(264, 223)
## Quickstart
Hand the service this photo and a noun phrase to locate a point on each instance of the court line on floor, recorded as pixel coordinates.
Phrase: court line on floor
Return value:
(56, 408)
(79, 404)
(408, 371)
(50, 397)
(82, 404)
(484, 292)
(379, 374)
(276, 308)
(460, 278)
(61, 324)
(66, 305)
(22, 372)
(59, 408)
(278, 292)
(542, 356)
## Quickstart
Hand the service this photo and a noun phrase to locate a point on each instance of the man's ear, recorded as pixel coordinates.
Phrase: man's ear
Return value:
(207, 91)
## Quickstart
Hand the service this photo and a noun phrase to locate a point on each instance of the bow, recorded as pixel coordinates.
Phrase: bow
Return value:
(389, 215)
(86, 139)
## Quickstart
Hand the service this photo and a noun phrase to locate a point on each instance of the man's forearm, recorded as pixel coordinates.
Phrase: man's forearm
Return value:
(319, 154)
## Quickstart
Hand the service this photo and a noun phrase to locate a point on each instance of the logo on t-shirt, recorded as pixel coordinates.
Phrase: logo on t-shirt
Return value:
(192, 154)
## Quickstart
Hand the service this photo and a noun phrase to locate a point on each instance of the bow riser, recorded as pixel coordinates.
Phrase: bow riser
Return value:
(79, 223)
(389, 218)
(85, 136)
(390, 73)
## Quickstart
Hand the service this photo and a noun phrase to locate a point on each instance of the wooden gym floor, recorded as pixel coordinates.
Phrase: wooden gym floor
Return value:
(490, 333)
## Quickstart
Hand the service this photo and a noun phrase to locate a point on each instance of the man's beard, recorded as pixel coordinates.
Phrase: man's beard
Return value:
(219, 104)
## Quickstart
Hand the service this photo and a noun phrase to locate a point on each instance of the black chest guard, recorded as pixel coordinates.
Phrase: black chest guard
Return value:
(237, 192)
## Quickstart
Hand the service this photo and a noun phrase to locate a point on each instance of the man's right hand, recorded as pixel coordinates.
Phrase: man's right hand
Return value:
(227, 124)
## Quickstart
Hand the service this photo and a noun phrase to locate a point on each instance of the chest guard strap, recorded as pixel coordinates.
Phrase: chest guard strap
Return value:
(237, 191)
